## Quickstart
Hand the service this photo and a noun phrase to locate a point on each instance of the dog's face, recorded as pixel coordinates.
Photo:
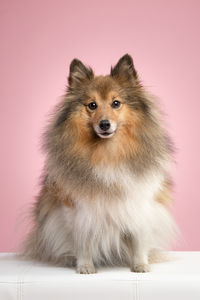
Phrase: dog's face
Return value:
(104, 107)
(103, 102)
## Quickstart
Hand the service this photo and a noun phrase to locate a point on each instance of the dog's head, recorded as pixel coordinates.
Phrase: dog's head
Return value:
(111, 115)
(105, 102)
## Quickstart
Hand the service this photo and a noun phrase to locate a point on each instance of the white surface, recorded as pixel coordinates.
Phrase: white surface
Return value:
(174, 280)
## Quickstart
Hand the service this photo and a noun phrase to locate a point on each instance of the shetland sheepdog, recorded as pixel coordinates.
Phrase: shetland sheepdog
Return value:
(105, 187)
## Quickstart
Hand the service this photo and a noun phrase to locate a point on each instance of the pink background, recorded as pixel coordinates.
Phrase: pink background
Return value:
(38, 41)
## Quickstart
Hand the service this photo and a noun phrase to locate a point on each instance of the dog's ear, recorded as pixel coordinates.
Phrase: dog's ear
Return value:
(79, 73)
(124, 70)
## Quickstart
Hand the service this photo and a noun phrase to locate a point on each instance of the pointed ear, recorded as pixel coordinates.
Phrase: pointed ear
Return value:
(79, 73)
(124, 69)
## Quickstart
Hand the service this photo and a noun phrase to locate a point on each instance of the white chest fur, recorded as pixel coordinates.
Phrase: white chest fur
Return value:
(133, 187)
(104, 219)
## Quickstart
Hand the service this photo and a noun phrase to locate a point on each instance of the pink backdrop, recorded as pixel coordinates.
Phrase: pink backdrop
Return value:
(38, 41)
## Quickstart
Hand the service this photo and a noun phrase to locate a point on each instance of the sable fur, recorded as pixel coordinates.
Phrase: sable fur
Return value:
(103, 201)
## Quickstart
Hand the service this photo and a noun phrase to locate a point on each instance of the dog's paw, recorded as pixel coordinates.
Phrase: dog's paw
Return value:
(86, 269)
(140, 268)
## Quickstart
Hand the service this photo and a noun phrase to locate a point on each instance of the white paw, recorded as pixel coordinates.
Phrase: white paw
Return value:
(86, 269)
(140, 268)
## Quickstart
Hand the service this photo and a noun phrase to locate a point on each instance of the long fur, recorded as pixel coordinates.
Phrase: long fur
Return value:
(103, 201)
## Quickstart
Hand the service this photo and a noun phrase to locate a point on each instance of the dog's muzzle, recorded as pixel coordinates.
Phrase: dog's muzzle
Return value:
(105, 129)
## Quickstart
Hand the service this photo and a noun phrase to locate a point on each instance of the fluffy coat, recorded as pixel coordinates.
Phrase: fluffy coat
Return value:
(103, 200)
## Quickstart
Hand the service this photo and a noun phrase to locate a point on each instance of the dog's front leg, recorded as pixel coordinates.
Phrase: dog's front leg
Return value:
(85, 263)
(138, 254)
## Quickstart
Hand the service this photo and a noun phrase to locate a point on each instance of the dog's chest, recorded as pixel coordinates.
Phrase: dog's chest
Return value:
(109, 176)
(136, 193)
(129, 184)
(105, 218)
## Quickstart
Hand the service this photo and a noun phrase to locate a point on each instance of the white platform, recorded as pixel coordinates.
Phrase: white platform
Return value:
(175, 280)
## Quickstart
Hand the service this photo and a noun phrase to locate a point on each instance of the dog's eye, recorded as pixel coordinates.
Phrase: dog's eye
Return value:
(92, 105)
(116, 104)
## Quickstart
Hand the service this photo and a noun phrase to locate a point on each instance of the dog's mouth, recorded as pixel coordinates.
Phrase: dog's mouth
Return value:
(105, 135)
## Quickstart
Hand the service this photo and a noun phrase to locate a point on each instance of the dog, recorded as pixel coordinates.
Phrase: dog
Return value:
(105, 186)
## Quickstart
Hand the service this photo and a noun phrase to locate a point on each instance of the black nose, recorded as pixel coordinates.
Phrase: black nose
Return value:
(104, 124)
